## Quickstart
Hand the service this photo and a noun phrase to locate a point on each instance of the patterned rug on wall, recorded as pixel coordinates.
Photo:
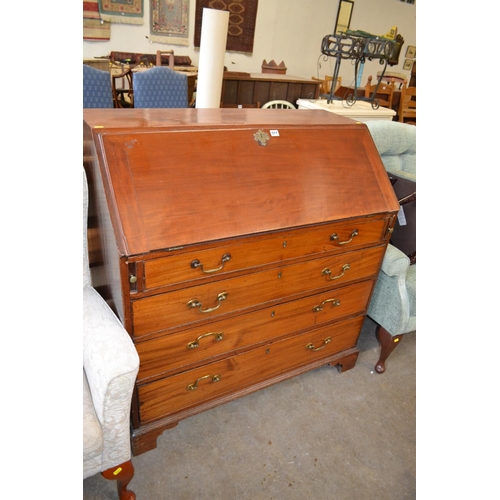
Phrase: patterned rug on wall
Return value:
(242, 17)
(122, 11)
(94, 29)
(169, 21)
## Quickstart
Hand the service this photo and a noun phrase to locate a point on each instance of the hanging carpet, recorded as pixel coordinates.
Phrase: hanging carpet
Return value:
(122, 11)
(93, 28)
(242, 17)
(169, 21)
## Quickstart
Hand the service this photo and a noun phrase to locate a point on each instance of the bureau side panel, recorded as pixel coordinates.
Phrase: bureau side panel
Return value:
(107, 271)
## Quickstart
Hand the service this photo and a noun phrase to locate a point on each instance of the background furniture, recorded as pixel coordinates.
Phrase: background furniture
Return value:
(110, 367)
(389, 76)
(397, 145)
(256, 105)
(326, 85)
(393, 305)
(408, 104)
(278, 105)
(122, 64)
(101, 63)
(384, 94)
(123, 88)
(160, 87)
(360, 111)
(230, 283)
(248, 88)
(272, 67)
(171, 58)
(96, 88)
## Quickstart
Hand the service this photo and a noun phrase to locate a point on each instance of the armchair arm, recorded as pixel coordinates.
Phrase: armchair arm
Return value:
(111, 365)
(392, 304)
(395, 262)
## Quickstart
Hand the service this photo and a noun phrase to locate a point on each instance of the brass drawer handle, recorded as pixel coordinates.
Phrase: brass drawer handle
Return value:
(196, 303)
(335, 303)
(195, 343)
(335, 238)
(312, 348)
(194, 385)
(328, 273)
(196, 264)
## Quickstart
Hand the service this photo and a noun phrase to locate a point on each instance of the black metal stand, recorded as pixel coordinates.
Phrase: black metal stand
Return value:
(357, 46)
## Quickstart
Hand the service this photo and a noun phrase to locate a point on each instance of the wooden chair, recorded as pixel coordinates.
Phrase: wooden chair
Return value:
(329, 81)
(326, 84)
(385, 89)
(278, 104)
(123, 94)
(171, 58)
(408, 104)
(321, 85)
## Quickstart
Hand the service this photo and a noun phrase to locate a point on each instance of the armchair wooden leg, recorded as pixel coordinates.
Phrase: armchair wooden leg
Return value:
(387, 344)
(123, 474)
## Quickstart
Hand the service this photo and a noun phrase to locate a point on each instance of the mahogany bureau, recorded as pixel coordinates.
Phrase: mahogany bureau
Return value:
(239, 247)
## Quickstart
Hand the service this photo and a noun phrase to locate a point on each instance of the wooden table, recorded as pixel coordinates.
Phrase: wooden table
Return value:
(345, 91)
(253, 88)
(360, 111)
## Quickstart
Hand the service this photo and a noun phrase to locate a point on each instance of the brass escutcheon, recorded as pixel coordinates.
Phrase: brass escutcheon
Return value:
(261, 137)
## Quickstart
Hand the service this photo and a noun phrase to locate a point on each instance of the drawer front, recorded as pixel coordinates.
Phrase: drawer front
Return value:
(173, 352)
(170, 395)
(199, 303)
(258, 251)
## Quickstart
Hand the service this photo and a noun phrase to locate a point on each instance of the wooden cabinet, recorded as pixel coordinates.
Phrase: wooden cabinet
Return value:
(238, 247)
(253, 88)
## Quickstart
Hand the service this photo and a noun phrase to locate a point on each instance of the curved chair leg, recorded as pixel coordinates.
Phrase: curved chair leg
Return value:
(387, 344)
(123, 474)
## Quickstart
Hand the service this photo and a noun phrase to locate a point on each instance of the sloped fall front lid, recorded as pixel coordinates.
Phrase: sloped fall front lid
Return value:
(182, 176)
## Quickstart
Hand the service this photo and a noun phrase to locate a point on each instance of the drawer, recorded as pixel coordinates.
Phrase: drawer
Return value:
(188, 306)
(172, 394)
(257, 251)
(173, 352)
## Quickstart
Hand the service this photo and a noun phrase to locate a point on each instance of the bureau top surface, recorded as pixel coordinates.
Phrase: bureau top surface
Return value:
(178, 177)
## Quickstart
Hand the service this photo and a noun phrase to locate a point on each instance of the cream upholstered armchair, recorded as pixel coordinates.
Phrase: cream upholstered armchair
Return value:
(110, 367)
(393, 304)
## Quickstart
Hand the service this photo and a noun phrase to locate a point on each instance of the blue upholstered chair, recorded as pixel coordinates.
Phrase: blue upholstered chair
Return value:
(97, 91)
(160, 87)
(393, 304)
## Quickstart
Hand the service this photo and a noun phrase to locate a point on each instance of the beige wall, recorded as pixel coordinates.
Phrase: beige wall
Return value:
(286, 30)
